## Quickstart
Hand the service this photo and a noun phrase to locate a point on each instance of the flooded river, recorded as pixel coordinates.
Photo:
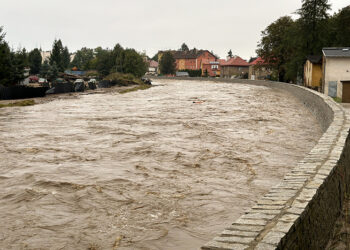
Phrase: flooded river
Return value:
(164, 168)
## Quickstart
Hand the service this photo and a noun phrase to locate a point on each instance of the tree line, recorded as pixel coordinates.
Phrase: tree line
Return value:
(286, 43)
(104, 61)
(12, 63)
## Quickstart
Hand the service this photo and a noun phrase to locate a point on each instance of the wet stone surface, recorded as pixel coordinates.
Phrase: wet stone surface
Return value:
(165, 168)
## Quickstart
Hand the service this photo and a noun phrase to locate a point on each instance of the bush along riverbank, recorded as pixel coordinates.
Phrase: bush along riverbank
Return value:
(18, 104)
(119, 79)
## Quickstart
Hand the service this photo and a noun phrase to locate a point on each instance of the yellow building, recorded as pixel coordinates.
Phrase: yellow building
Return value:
(313, 72)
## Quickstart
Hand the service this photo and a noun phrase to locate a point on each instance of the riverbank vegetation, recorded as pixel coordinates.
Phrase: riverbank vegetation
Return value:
(102, 61)
(123, 79)
(18, 104)
(286, 43)
(167, 64)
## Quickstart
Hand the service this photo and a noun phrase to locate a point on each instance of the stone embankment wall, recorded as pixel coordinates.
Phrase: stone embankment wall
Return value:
(300, 212)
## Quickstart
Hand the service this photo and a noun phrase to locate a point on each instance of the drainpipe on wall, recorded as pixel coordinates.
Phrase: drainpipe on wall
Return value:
(324, 75)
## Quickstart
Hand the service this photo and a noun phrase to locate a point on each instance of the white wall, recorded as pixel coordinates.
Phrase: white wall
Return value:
(336, 69)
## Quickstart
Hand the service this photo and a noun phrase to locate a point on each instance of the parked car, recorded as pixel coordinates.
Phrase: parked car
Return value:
(182, 74)
(79, 81)
(33, 79)
(42, 81)
(92, 81)
(79, 85)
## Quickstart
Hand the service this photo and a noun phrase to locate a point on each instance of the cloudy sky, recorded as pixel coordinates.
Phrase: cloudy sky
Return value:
(144, 25)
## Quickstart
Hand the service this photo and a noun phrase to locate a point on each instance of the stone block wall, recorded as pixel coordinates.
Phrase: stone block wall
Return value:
(300, 212)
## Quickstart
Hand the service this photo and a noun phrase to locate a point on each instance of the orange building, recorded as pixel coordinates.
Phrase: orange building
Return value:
(191, 59)
(212, 68)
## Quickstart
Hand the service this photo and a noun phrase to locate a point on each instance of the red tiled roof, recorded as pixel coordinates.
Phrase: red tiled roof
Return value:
(259, 61)
(235, 61)
(153, 64)
(221, 61)
(190, 54)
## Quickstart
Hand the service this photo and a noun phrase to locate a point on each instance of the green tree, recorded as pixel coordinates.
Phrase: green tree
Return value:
(56, 55)
(118, 57)
(83, 58)
(133, 63)
(5, 60)
(53, 72)
(104, 62)
(314, 23)
(65, 58)
(45, 68)
(34, 59)
(340, 25)
(18, 63)
(275, 46)
(184, 47)
(167, 63)
(155, 57)
(229, 54)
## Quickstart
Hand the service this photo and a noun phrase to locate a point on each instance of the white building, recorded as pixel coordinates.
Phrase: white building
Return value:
(336, 73)
(45, 55)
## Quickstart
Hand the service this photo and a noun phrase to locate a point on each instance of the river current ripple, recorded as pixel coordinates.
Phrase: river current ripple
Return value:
(164, 168)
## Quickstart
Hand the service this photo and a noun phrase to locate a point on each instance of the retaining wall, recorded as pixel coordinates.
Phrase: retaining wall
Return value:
(300, 212)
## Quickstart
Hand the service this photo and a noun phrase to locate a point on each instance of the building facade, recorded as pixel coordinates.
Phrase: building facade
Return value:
(212, 68)
(234, 67)
(313, 72)
(190, 60)
(336, 73)
(258, 70)
(152, 67)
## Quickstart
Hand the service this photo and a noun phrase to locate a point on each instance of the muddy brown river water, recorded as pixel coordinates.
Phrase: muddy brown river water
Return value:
(164, 168)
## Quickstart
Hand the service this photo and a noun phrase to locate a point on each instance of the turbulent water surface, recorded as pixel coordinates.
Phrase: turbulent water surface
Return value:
(164, 168)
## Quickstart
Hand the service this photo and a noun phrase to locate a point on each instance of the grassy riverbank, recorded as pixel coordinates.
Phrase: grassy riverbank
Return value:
(18, 104)
(120, 79)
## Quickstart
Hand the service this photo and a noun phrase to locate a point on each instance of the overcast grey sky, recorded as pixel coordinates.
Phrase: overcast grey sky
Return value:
(144, 25)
